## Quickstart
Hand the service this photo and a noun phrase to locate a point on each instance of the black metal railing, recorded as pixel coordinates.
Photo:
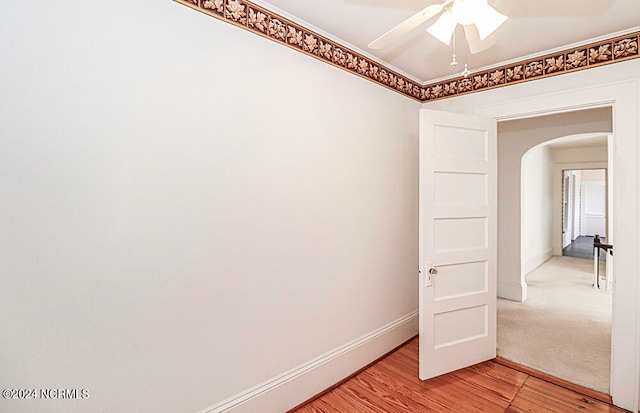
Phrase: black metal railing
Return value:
(598, 247)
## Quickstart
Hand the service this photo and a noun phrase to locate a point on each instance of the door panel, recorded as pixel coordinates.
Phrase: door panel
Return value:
(460, 188)
(454, 327)
(452, 142)
(457, 241)
(459, 234)
(461, 279)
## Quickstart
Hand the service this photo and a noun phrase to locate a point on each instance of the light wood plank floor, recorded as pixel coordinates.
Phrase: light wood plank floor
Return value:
(391, 385)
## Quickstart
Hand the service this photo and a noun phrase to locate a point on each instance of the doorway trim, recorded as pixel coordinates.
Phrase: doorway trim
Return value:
(622, 97)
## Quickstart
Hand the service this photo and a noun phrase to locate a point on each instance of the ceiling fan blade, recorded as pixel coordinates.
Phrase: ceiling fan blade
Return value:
(408, 25)
(473, 39)
(444, 27)
(487, 20)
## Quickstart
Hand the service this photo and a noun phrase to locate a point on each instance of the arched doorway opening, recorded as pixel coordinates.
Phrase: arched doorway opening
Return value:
(564, 326)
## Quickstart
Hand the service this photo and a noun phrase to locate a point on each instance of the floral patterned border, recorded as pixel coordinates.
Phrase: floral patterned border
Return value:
(570, 60)
(263, 22)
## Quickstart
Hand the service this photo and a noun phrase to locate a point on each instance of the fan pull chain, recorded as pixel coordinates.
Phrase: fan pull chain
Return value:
(454, 63)
(466, 71)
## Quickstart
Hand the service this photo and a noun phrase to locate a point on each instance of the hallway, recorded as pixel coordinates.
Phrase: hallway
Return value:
(564, 328)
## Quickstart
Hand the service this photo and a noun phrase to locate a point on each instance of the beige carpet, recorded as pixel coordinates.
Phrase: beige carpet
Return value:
(564, 328)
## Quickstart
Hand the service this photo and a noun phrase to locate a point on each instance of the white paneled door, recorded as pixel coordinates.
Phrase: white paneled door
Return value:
(458, 171)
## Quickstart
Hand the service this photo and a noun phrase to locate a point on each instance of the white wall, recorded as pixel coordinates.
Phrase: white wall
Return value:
(594, 200)
(537, 207)
(593, 209)
(190, 210)
(593, 175)
(595, 154)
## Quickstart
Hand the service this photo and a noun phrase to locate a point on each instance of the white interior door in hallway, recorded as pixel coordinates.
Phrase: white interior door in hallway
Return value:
(457, 255)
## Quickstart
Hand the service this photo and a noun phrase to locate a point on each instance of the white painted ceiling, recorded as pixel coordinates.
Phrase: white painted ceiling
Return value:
(533, 28)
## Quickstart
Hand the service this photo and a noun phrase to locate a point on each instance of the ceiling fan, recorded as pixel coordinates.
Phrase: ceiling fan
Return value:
(476, 16)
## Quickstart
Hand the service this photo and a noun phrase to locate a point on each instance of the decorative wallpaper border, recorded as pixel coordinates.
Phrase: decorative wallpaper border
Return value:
(604, 52)
(265, 23)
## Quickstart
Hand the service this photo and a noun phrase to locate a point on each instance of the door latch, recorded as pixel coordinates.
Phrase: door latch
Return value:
(428, 277)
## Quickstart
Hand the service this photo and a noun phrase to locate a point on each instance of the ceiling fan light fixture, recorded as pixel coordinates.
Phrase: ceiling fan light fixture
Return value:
(473, 39)
(443, 28)
(476, 14)
(465, 11)
(488, 20)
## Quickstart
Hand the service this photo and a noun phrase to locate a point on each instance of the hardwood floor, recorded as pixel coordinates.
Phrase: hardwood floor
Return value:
(582, 247)
(391, 385)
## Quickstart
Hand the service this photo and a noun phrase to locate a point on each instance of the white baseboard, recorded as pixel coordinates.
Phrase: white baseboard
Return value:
(299, 384)
(534, 262)
(512, 291)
